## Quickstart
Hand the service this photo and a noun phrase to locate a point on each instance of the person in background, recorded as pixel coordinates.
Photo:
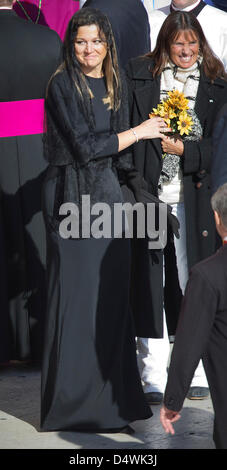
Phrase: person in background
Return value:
(212, 20)
(151, 5)
(202, 333)
(219, 160)
(182, 60)
(29, 56)
(156, 17)
(52, 13)
(130, 24)
(221, 4)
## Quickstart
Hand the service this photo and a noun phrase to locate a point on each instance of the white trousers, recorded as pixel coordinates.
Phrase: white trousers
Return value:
(153, 354)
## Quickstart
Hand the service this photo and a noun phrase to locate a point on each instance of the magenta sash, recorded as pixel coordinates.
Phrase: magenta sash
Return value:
(21, 118)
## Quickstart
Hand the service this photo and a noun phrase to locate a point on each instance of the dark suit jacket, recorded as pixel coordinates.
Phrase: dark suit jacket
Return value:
(218, 4)
(202, 333)
(130, 26)
(219, 160)
(29, 56)
(28, 62)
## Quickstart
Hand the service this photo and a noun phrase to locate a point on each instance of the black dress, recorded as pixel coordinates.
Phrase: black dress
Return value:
(90, 379)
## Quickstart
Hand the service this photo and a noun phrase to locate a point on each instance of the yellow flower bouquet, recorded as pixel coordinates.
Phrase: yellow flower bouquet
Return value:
(183, 121)
(174, 112)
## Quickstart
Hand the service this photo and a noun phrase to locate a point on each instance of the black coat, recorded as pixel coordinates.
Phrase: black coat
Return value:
(130, 24)
(29, 56)
(203, 317)
(219, 161)
(196, 165)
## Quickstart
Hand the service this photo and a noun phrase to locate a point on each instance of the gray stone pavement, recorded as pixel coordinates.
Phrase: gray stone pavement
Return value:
(19, 421)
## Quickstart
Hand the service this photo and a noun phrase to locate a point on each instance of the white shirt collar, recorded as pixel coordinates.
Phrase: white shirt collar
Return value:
(5, 8)
(191, 7)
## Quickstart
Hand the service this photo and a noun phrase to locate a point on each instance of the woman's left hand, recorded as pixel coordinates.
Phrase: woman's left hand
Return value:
(173, 145)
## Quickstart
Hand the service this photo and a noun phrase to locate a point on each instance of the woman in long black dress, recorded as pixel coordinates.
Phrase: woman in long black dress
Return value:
(90, 379)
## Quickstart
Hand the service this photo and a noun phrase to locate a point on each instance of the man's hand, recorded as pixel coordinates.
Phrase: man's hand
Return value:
(167, 417)
(173, 145)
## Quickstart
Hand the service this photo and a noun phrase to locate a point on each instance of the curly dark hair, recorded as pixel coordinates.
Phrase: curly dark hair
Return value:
(174, 24)
(87, 17)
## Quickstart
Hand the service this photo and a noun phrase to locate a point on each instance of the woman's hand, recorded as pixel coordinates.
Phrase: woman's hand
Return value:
(152, 128)
(149, 129)
(173, 145)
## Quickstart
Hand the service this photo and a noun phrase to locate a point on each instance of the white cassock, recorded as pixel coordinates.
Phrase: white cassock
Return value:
(212, 20)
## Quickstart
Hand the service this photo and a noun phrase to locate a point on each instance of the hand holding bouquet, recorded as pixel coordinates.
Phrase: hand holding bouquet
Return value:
(184, 126)
(174, 112)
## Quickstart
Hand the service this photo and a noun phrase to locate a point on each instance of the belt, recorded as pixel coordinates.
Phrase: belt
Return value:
(21, 117)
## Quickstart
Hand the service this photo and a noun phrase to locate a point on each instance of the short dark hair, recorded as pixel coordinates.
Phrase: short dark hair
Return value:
(175, 23)
(219, 203)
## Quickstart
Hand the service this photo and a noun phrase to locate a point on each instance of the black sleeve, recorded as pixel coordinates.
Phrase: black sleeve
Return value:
(124, 161)
(130, 85)
(193, 331)
(70, 125)
(219, 161)
(197, 156)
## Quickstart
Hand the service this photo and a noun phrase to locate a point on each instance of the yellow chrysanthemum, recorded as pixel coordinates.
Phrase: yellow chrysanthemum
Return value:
(184, 123)
(159, 111)
(170, 111)
(163, 111)
(177, 100)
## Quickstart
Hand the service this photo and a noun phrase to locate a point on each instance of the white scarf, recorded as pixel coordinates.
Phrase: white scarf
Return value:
(189, 77)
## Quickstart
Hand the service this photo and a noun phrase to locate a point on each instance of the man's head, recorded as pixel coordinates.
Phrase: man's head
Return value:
(219, 206)
(183, 3)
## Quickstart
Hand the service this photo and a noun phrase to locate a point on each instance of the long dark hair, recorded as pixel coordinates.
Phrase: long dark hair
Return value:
(175, 23)
(87, 17)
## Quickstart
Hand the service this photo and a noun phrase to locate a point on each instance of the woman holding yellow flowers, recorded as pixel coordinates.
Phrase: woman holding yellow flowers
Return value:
(184, 82)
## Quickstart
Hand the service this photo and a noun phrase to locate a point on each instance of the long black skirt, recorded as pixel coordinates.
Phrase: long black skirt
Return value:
(90, 379)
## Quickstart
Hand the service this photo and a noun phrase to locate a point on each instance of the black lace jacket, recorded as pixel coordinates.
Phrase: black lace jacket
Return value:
(86, 162)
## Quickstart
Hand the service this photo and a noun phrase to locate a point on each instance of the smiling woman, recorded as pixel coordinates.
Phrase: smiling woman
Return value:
(184, 50)
(91, 50)
(176, 168)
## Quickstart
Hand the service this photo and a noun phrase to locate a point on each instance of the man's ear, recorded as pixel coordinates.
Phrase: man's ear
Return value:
(217, 218)
(219, 224)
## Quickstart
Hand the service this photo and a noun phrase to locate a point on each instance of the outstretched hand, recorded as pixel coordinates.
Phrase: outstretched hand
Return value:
(167, 417)
(152, 128)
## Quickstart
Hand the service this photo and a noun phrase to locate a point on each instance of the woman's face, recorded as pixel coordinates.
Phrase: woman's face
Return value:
(90, 50)
(184, 49)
